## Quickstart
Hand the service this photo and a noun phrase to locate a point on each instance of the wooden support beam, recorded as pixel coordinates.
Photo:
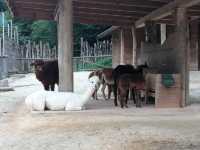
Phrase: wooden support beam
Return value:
(30, 15)
(116, 48)
(165, 11)
(112, 6)
(122, 48)
(34, 6)
(107, 32)
(145, 4)
(42, 2)
(133, 29)
(65, 50)
(111, 12)
(102, 21)
(182, 64)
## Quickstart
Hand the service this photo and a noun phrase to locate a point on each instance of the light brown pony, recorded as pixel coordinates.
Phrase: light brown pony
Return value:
(106, 79)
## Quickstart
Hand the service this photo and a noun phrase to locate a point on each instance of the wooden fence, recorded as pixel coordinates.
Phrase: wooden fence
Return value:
(7, 31)
(92, 57)
(97, 49)
(29, 52)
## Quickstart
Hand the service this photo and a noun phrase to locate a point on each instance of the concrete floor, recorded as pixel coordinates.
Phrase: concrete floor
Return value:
(101, 127)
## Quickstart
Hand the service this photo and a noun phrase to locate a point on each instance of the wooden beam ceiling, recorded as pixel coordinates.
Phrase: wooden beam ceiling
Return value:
(165, 11)
(108, 12)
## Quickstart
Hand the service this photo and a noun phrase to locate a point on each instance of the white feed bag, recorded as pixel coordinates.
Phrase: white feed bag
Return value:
(36, 101)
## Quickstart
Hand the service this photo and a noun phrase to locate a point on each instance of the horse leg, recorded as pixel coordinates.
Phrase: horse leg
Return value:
(46, 87)
(103, 90)
(138, 100)
(52, 87)
(133, 95)
(126, 99)
(109, 91)
(95, 95)
(115, 94)
(121, 98)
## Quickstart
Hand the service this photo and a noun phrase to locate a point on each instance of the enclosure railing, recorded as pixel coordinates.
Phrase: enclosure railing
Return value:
(89, 63)
(92, 57)
(7, 31)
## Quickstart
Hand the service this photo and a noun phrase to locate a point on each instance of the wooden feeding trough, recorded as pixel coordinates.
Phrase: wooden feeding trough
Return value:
(165, 97)
(168, 97)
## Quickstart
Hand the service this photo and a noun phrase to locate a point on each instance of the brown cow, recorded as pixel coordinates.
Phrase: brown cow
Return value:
(47, 72)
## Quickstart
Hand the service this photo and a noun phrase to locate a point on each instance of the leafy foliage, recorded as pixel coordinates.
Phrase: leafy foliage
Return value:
(3, 6)
(88, 32)
(24, 28)
(100, 63)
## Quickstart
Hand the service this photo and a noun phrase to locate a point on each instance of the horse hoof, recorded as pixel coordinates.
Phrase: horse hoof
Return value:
(138, 106)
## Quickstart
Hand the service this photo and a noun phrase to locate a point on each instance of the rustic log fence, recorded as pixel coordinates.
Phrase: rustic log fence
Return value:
(29, 52)
(97, 55)
(92, 57)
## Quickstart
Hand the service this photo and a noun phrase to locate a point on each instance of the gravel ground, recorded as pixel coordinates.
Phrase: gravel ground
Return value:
(100, 127)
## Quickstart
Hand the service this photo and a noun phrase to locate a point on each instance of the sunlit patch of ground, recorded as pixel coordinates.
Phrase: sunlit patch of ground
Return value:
(101, 127)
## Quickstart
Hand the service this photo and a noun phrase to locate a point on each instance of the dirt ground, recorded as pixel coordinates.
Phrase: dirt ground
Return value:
(101, 127)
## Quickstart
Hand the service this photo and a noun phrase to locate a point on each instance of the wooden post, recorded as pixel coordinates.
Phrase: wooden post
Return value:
(134, 45)
(151, 32)
(65, 42)
(115, 49)
(8, 30)
(11, 29)
(122, 47)
(182, 64)
(163, 32)
(1, 54)
(194, 45)
(3, 22)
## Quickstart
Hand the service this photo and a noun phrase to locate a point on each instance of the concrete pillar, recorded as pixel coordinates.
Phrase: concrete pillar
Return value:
(65, 45)
(116, 45)
(163, 33)
(182, 64)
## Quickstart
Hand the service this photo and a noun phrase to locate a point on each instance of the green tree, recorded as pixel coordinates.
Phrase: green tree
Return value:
(45, 31)
(3, 6)
(24, 29)
(88, 32)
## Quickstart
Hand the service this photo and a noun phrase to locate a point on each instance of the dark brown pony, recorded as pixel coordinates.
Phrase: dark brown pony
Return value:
(134, 82)
(125, 69)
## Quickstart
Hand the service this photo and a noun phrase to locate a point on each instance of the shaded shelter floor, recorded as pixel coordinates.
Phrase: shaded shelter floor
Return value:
(101, 127)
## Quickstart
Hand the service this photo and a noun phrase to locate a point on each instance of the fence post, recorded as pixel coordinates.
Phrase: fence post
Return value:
(1, 47)
(3, 22)
(8, 26)
(11, 29)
